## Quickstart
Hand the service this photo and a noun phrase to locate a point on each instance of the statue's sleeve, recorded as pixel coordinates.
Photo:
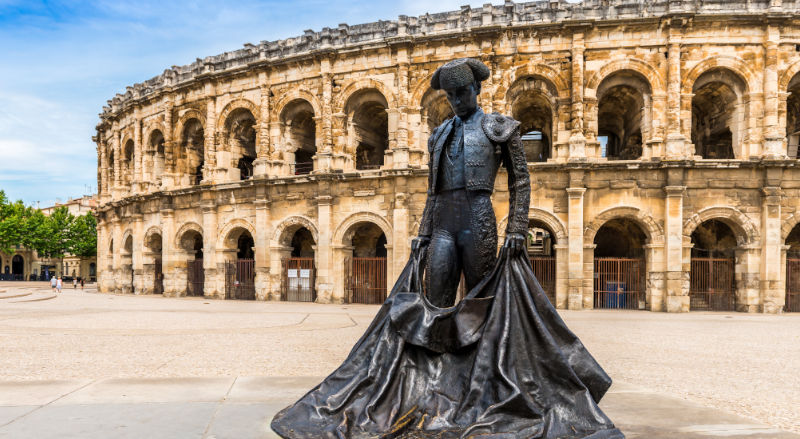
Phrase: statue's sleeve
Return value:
(426, 225)
(519, 184)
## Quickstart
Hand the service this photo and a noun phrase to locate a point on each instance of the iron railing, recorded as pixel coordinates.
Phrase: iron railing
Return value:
(792, 285)
(297, 280)
(712, 284)
(240, 279)
(195, 278)
(544, 268)
(366, 280)
(619, 283)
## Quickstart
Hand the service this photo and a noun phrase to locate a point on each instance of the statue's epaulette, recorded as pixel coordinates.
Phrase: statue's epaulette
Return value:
(497, 127)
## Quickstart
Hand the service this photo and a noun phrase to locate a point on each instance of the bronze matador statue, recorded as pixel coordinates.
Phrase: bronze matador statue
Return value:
(458, 223)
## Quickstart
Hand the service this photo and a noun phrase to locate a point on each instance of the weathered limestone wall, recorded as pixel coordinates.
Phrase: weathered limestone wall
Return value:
(555, 64)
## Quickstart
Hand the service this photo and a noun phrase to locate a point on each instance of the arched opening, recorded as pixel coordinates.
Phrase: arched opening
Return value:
(18, 267)
(623, 115)
(300, 130)
(155, 152)
(127, 266)
(713, 267)
(240, 128)
(299, 271)
(155, 270)
(793, 271)
(533, 104)
(127, 163)
(92, 272)
(192, 245)
(619, 265)
(193, 148)
(718, 114)
(240, 265)
(541, 243)
(367, 128)
(793, 117)
(434, 111)
(366, 276)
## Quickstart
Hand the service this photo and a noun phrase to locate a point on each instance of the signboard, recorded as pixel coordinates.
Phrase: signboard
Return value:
(305, 273)
(292, 273)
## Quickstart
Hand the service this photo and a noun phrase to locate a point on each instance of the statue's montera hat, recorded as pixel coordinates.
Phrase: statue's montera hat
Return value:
(458, 73)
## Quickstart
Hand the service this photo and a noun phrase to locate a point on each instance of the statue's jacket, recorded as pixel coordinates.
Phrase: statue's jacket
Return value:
(489, 141)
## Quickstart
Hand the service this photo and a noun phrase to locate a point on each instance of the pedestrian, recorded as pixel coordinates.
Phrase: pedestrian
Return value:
(83, 281)
(59, 285)
(53, 283)
(74, 283)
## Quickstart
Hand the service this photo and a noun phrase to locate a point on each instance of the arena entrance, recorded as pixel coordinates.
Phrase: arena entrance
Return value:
(713, 268)
(240, 273)
(542, 254)
(17, 268)
(619, 266)
(793, 271)
(192, 243)
(298, 273)
(366, 268)
(155, 270)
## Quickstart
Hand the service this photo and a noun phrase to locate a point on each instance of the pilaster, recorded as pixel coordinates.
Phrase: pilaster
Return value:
(577, 140)
(575, 287)
(677, 299)
(262, 243)
(324, 251)
(772, 290)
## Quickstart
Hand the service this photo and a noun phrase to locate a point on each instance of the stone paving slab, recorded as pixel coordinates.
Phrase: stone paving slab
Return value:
(242, 408)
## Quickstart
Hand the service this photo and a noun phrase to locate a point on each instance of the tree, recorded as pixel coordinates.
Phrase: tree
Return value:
(83, 236)
(53, 239)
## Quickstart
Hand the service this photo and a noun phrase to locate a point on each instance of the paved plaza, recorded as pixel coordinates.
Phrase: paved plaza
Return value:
(82, 364)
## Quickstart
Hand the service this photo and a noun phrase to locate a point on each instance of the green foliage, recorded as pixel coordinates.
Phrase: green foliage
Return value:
(51, 236)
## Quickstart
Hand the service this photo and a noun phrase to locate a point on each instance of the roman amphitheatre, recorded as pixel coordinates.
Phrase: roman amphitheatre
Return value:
(662, 140)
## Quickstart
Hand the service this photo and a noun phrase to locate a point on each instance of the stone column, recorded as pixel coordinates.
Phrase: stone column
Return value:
(117, 162)
(748, 274)
(262, 244)
(400, 236)
(116, 285)
(169, 254)
(324, 158)
(562, 276)
(102, 253)
(677, 298)
(773, 138)
(400, 149)
(577, 140)
(137, 263)
(263, 146)
(655, 277)
(575, 285)
(213, 265)
(148, 271)
(214, 168)
(324, 252)
(676, 141)
(170, 150)
(138, 153)
(772, 293)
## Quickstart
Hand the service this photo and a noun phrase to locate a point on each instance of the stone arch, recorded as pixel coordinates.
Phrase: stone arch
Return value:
(650, 74)
(746, 232)
(362, 84)
(187, 116)
(225, 238)
(239, 103)
(735, 65)
(788, 224)
(152, 231)
(434, 109)
(289, 225)
(149, 129)
(651, 228)
(293, 95)
(186, 227)
(787, 76)
(127, 234)
(541, 71)
(345, 230)
(551, 221)
(420, 89)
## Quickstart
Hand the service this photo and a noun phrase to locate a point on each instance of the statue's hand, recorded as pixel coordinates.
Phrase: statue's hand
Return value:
(419, 242)
(515, 243)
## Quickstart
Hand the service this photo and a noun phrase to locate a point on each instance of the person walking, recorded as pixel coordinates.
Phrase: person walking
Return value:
(74, 283)
(53, 283)
(59, 284)
(83, 281)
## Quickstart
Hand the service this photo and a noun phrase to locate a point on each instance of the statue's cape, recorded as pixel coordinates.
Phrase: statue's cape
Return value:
(526, 375)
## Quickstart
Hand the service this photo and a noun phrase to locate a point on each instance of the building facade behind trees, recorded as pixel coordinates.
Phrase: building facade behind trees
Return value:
(662, 140)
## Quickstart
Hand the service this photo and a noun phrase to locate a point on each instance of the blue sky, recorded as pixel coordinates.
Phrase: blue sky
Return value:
(61, 61)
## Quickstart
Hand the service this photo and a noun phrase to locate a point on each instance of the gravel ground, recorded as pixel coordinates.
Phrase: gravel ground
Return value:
(747, 364)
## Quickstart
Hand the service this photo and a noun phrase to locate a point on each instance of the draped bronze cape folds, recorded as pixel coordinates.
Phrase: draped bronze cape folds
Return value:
(522, 374)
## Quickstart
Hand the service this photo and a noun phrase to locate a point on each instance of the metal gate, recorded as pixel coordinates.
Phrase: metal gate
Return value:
(366, 280)
(712, 284)
(619, 283)
(240, 279)
(297, 280)
(544, 267)
(158, 277)
(792, 285)
(195, 277)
